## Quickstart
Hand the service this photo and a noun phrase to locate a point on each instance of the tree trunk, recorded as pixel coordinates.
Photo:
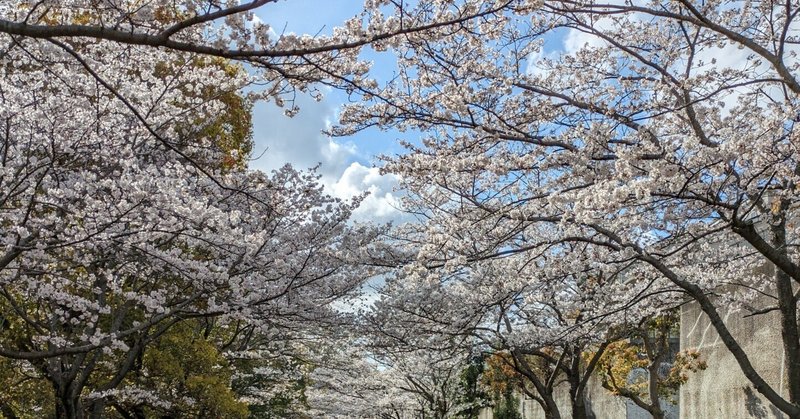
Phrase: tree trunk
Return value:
(787, 304)
(550, 415)
(441, 411)
(543, 388)
(579, 410)
(68, 402)
(577, 398)
(655, 400)
(97, 409)
(577, 389)
(68, 407)
(790, 408)
(657, 349)
(550, 407)
(546, 402)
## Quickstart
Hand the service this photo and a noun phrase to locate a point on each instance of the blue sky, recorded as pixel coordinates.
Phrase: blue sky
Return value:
(348, 165)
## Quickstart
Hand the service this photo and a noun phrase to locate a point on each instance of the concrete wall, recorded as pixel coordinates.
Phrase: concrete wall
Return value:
(603, 404)
(485, 413)
(722, 390)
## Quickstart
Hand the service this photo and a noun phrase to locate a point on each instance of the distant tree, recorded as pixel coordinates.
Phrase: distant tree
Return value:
(507, 407)
(645, 367)
(655, 145)
(473, 397)
(131, 224)
(189, 375)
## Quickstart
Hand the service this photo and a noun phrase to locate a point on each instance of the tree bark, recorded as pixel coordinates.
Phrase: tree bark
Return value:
(577, 385)
(790, 408)
(68, 405)
(579, 408)
(787, 304)
(544, 389)
(657, 349)
(551, 410)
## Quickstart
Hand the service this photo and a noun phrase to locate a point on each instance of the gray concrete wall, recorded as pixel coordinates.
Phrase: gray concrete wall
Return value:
(603, 404)
(722, 390)
(485, 413)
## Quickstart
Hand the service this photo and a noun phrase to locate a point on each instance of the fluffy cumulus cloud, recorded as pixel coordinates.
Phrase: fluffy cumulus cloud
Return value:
(537, 62)
(382, 202)
(346, 170)
(576, 39)
(300, 141)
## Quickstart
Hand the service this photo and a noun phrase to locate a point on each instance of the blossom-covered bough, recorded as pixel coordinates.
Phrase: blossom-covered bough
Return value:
(128, 212)
(650, 157)
(111, 238)
(228, 29)
(127, 209)
(630, 153)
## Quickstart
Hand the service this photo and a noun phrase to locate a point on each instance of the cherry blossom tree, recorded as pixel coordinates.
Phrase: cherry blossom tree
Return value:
(129, 212)
(353, 377)
(537, 326)
(129, 216)
(655, 148)
(650, 159)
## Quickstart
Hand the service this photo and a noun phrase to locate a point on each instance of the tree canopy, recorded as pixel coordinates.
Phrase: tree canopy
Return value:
(576, 170)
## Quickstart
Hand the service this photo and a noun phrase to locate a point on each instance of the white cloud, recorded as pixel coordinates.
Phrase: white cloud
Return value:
(299, 140)
(576, 39)
(734, 57)
(729, 56)
(382, 204)
(536, 65)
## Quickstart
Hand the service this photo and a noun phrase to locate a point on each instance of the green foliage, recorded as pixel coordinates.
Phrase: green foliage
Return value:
(507, 407)
(473, 396)
(191, 373)
(231, 129)
(501, 380)
(644, 346)
(23, 391)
